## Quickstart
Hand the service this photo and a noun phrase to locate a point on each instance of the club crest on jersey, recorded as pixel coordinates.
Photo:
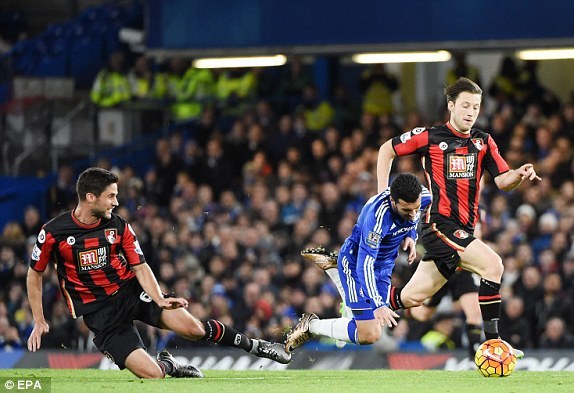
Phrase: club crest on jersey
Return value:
(443, 146)
(111, 235)
(373, 239)
(461, 166)
(460, 234)
(477, 143)
(71, 240)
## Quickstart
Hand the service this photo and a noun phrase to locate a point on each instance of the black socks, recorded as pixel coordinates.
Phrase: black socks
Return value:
(489, 300)
(219, 333)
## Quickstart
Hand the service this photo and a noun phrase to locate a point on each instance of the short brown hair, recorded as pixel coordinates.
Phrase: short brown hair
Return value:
(94, 181)
(461, 85)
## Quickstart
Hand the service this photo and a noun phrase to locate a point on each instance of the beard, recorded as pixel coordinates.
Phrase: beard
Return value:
(101, 214)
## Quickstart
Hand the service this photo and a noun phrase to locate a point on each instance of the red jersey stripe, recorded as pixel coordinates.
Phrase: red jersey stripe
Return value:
(72, 274)
(462, 191)
(437, 173)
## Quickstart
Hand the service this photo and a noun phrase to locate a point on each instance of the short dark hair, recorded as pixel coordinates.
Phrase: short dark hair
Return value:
(407, 187)
(95, 181)
(461, 85)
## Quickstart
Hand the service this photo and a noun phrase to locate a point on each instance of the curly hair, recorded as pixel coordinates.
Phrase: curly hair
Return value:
(407, 187)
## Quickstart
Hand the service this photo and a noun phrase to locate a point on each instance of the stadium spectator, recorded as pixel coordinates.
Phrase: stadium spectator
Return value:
(556, 336)
(9, 337)
(317, 113)
(235, 90)
(504, 86)
(377, 86)
(514, 327)
(189, 88)
(293, 80)
(440, 337)
(144, 84)
(62, 193)
(167, 165)
(111, 86)
(461, 69)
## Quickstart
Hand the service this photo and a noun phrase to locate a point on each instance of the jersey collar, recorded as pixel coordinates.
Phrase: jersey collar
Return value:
(456, 132)
(81, 224)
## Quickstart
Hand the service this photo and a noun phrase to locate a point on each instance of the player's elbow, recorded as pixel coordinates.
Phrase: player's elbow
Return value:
(386, 150)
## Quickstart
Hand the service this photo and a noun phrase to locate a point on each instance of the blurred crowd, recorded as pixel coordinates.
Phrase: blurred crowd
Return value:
(245, 183)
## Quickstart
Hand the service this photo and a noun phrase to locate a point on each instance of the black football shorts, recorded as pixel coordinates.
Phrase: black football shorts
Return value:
(442, 240)
(113, 325)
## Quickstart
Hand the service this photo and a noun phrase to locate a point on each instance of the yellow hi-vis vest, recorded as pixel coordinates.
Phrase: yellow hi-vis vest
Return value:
(110, 89)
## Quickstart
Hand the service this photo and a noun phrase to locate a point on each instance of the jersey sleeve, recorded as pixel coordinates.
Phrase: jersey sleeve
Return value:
(426, 200)
(415, 141)
(493, 161)
(42, 251)
(373, 231)
(413, 234)
(131, 247)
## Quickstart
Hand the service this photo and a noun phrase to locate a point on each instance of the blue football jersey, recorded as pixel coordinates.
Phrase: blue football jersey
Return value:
(368, 254)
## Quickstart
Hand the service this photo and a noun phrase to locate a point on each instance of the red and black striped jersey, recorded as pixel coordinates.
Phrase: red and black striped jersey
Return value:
(88, 258)
(454, 164)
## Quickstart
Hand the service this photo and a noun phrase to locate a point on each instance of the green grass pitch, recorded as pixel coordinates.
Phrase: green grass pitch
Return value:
(296, 381)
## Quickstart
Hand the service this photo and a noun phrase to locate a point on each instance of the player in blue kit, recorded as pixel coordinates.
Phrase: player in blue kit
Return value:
(365, 263)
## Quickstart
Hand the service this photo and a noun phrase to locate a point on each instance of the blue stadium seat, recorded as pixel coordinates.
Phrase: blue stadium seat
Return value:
(86, 59)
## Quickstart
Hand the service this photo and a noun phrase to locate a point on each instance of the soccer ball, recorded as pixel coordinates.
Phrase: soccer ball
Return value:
(495, 358)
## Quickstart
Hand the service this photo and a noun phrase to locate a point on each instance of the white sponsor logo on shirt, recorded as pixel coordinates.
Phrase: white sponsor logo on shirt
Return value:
(36, 252)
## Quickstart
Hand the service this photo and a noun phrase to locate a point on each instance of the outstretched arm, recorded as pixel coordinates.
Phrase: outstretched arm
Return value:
(510, 180)
(34, 284)
(150, 285)
(384, 162)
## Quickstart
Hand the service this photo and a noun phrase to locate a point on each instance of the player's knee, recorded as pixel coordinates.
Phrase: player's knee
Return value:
(369, 335)
(196, 330)
(494, 269)
(413, 299)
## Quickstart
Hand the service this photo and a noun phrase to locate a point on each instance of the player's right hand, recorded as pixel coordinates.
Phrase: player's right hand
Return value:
(386, 316)
(35, 339)
(527, 171)
(172, 303)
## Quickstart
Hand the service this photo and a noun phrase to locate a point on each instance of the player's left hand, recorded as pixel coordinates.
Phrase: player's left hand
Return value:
(171, 303)
(35, 340)
(386, 316)
(409, 246)
(527, 171)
